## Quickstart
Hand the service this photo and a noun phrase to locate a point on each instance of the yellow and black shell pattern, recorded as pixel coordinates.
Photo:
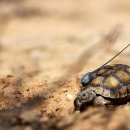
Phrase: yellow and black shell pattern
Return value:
(112, 81)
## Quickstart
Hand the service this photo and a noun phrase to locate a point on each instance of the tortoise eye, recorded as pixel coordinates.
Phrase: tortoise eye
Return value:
(84, 95)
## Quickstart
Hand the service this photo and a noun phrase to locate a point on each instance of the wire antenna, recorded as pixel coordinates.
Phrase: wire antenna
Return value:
(110, 60)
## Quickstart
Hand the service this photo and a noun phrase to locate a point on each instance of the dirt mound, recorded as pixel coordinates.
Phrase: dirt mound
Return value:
(28, 106)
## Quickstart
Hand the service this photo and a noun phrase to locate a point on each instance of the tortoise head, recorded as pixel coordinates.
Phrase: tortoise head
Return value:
(86, 78)
(86, 96)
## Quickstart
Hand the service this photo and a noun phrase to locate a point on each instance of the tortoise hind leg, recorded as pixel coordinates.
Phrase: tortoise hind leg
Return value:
(100, 101)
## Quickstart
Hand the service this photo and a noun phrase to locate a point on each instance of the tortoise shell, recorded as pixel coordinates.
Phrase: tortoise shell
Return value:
(112, 81)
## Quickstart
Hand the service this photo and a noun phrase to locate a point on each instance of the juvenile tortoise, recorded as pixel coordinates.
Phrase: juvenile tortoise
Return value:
(107, 85)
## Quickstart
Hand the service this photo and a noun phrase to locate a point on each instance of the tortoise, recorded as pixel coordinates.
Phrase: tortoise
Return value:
(107, 85)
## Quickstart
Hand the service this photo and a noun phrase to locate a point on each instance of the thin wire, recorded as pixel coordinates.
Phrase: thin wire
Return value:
(110, 59)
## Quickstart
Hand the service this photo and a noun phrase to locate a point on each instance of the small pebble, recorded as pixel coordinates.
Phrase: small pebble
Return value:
(69, 96)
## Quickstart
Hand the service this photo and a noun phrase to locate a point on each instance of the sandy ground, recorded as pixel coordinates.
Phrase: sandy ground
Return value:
(45, 49)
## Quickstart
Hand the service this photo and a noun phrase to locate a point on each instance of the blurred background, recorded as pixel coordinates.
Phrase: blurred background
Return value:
(46, 46)
(46, 37)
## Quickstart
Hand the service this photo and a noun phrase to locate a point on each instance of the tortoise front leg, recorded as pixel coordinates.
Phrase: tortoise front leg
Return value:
(77, 104)
(100, 101)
